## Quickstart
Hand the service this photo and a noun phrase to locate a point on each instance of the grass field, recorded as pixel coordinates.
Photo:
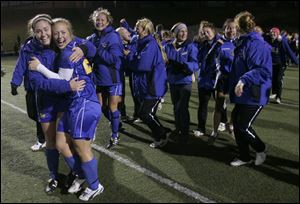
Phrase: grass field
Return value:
(135, 173)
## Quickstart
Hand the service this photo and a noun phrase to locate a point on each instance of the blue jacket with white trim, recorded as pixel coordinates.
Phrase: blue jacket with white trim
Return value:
(182, 63)
(252, 65)
(149, 73)
(107, 61)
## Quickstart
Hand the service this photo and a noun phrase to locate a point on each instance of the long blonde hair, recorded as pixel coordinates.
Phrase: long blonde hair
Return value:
(148, 26)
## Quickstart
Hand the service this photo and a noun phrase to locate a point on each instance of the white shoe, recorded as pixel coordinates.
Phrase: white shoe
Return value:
(51, 186)
(160, 143)
(238, 162)
(278, 100)
(197, 133)
(89, 194)
(159, 107)
(76, 185)
(38, 146)
(273, 96)
(260, 158)
(138, 120)
(222, 127)
(213, 136)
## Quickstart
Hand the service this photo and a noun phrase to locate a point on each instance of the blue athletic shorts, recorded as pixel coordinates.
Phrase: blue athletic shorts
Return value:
(49, 107)
(115, 90)
(81, 120)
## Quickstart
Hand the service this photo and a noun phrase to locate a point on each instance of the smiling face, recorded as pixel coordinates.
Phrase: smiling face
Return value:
(208, 33)
(125, 35)
(230, 30)
(140, 31)
(101, 22)
(61, 35)
(42, 32)
(182, 35)
(274, 35)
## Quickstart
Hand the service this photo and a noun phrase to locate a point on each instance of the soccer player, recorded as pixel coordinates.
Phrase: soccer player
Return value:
(106, 67)
(249, 88)
(182, 63)
(82, 116)
(280, 51)
(38, 45)
(224, 60)
(207, 72)
(149, 79)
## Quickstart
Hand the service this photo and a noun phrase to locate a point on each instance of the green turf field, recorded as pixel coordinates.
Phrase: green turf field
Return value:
(134, 172)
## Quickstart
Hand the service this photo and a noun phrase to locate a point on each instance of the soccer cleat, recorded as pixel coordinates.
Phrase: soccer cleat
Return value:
(89, 194)
(238, 162)
(260, 158)
(273, 96)
(38, 146)
(51, 186)
(112, 142)
(69, 180)
(76, 185)
(222, 127)
(197, 133)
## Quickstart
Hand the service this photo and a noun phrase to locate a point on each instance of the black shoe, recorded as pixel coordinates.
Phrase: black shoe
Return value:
(126, 118)
(112, 143)
(121, 128)
(51, 186)
(212, 138)
(69, 180)
(168, 130)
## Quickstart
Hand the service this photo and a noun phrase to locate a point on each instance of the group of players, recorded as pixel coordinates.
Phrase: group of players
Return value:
(70, 82)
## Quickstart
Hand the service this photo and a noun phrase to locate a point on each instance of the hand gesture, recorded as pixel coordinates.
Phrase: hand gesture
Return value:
(76, 55)
(33, 63)
(77, 85)
(239, 88)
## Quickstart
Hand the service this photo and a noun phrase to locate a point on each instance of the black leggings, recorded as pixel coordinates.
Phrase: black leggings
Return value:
(243, 117)
(32, 114)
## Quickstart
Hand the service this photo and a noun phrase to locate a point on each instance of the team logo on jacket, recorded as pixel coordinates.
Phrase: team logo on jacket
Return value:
(87, 67)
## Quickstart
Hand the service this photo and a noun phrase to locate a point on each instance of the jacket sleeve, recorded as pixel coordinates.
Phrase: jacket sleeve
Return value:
(20, 69)
(111, 54)
(188, 58)
(40, 83)
(192, 62)
(289, 51)
(259, 63)
(126, 25)
(88, 48)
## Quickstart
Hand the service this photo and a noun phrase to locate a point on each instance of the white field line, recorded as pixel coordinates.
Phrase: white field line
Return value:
(139, 168)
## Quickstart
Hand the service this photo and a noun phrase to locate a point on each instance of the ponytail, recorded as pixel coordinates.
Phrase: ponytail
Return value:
(163, 52)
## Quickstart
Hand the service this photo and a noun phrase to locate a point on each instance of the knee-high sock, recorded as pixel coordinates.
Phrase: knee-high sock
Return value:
(52, 156)
(75, 165)
(90, 170)
(115, 121)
